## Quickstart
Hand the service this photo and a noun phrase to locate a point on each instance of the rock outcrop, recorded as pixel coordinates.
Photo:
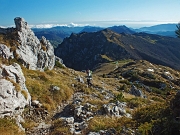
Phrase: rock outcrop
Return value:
(136, 92)
(14, 95)
(33, 53)
(117, 109)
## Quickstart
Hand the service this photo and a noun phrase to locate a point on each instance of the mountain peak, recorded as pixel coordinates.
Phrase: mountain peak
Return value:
(20, 23)
(27, 48)
(87, 50)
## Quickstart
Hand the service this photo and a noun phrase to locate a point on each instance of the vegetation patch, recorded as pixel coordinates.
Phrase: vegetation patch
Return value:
(59, 128)
(104, 123)
(9, 127)
(24, 93)
(156, 119)
(39, 85)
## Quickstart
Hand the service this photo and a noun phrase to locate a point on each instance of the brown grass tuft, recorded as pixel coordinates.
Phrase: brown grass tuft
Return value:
(24, 93)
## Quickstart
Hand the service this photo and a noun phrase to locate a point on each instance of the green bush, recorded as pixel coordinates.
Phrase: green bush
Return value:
(58, 64)
(119, 97)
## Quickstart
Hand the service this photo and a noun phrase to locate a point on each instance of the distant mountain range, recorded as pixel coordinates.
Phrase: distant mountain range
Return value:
(161, 29)
(57, 34)
(86, 50)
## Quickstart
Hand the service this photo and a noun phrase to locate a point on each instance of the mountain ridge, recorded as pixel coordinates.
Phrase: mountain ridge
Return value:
(58, 33)
(107, 45)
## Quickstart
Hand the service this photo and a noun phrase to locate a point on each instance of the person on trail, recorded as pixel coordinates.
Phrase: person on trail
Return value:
(89, 77)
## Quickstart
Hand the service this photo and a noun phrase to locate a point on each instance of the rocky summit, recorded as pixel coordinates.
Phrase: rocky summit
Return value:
(27, 48)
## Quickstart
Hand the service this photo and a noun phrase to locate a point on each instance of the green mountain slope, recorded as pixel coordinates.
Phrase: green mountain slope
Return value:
(87, 50)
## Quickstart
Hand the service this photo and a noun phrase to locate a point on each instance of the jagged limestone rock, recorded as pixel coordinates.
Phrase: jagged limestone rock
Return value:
(33, 54)
(5, 52)
(14, 95)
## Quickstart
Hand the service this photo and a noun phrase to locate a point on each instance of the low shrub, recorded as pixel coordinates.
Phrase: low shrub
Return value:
(58, 64)
(119, 97)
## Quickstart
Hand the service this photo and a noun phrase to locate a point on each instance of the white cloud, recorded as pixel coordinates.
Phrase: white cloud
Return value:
(55, 25)
(49, 25)
(2, 26)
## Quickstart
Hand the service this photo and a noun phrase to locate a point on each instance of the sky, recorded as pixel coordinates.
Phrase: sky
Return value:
(103, 13)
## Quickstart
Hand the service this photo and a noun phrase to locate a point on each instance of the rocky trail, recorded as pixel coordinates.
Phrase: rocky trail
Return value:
(76, 113)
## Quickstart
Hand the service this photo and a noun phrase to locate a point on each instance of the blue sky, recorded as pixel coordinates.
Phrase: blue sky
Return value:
(132, 13)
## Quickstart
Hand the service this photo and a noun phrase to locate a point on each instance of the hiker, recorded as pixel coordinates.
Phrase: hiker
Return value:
(89, 77)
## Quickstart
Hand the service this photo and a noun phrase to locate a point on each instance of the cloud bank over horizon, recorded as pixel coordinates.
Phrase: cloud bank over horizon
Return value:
(129, 23)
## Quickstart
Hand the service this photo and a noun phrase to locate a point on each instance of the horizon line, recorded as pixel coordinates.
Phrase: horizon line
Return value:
(128, 23)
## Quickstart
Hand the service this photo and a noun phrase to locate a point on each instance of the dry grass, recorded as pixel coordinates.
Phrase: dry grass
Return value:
(17, 86)
(10, 39)
(24, 93)
(59, 128)
(104, 123)
(29, 124)
(105, 57)
(43, 47)
(40, 85)
(106, 68)
(128, 96)
(9, 127)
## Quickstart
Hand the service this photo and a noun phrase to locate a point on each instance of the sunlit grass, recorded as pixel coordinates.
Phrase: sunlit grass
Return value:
(104, 123)
(9, 127)
(40, 85)
(59, 128)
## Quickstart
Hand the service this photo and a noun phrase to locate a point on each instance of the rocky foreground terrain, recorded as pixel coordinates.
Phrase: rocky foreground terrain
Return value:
(40, 95)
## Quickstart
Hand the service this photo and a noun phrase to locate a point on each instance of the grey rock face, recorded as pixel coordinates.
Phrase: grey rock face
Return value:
(5, 52)
(14, 95)
(33, 54)
(136, 92)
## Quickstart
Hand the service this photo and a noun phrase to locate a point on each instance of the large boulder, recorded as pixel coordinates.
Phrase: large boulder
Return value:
(33, 54)
(14, 95)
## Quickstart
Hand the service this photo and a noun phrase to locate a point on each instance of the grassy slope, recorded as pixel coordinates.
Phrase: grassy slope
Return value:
(39, 85)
